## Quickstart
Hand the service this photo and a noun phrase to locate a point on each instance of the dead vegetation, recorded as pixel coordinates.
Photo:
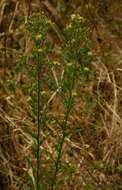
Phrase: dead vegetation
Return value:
(93, 150)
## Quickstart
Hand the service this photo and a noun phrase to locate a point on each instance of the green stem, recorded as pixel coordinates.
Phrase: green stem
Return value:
(38, 122)
(64, 126)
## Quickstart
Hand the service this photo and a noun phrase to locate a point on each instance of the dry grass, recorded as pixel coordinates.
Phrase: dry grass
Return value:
(100, 138)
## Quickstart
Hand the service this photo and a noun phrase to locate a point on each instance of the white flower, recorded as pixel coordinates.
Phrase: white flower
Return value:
(38, 36)
(86, 69)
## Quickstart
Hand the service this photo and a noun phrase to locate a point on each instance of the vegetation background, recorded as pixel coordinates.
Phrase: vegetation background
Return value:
(60, 94)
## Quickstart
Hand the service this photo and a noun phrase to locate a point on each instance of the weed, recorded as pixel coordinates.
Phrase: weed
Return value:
(74, 50)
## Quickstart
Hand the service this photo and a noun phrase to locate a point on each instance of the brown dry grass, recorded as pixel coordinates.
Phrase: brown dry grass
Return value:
(101, 136)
